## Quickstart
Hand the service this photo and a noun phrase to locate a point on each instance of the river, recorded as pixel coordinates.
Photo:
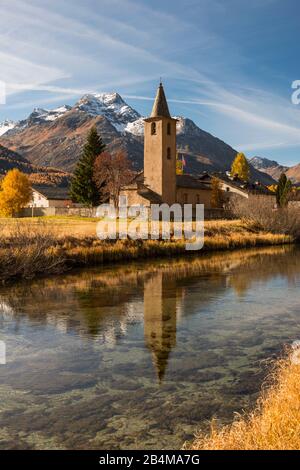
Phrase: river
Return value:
(142, 356)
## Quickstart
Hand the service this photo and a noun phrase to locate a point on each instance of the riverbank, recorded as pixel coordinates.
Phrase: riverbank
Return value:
(275, 422)
(34, 248)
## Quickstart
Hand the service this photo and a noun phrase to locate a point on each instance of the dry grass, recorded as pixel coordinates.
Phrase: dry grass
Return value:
(26, 251)
(30, 248)
(273, 425)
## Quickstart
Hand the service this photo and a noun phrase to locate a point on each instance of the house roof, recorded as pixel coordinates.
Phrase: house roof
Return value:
(189, 181)
(247, 187)
(160, 107)
(52, 192)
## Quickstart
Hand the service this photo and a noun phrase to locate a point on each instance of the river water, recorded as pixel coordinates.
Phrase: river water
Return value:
(143, 355)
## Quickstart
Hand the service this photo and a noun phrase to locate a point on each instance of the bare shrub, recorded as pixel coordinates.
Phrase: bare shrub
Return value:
(259, 211)
(27, 250)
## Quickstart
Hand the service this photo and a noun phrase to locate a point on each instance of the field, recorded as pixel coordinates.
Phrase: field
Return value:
(82, 227)
(62, 226)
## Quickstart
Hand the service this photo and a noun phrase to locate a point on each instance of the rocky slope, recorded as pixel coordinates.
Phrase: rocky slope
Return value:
(293, 173)
(37, 175)
(271, 167)
(274, 169)
(55, 138)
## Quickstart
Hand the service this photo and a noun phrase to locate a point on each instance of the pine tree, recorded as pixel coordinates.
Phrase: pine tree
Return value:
(240, 167)
(283, 190)
(83, 187)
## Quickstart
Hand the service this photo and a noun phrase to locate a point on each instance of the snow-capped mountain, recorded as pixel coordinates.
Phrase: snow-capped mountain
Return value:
(38, 116)
(184, 126)
(262, 163)
(136, 127)
(56, 137)
(6, 126)
(111, 106)
(270, 167)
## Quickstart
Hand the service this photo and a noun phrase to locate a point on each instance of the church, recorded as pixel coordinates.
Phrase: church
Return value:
(159, 183)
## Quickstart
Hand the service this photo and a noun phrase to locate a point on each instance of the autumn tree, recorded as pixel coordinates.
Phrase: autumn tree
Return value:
(283, 190)
(240, 167)
(111, 172)
(83, 186)
(217, 198)
(15, 193)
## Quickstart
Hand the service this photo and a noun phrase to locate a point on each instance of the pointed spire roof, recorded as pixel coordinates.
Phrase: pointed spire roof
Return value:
(160, 107)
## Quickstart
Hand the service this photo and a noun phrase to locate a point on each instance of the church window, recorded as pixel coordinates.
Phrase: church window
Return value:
(169, 128)
(153, 128)
(185, 198)
(197, 199)
(169, 153)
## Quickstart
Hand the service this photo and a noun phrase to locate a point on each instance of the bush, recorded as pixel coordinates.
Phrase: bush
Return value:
(26, 251)
(259, 211)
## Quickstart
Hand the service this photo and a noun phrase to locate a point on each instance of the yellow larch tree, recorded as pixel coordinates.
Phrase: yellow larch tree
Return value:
(15, 193)
(240, 167)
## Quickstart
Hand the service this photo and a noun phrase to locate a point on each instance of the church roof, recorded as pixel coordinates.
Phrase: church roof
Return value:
(160, 107)
(190, 182)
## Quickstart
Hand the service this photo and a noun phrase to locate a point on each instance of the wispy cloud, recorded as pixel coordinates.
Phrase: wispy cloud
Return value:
(59, 50)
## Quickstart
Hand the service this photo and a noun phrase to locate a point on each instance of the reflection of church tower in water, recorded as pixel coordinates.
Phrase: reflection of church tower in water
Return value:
(160, 320)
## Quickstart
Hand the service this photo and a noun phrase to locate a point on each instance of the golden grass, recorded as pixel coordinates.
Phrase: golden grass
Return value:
(97, 252)
(273, 425)
(81, 228)
(33, 247)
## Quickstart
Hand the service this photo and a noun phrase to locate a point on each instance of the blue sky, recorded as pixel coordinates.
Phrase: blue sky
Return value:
(226, 64)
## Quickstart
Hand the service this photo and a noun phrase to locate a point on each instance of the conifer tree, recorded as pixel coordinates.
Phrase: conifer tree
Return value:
(283, 190)
(83, 187)
(240, 167)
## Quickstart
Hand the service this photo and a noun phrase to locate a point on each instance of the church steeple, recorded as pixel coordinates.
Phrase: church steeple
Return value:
(160, 150)
(160, 107)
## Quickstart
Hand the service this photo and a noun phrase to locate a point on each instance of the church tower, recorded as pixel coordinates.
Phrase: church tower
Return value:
(160, 150)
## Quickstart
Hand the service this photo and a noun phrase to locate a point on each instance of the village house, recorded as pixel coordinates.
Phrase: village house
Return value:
(46, 196)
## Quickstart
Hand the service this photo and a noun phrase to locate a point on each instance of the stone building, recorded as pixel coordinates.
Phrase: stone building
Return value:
(159, 183)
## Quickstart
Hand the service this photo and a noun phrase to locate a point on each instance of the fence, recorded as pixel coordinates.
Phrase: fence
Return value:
(60, 211)
(209, 214)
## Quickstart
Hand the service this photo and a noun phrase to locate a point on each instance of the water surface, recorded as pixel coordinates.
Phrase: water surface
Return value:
(143, 355)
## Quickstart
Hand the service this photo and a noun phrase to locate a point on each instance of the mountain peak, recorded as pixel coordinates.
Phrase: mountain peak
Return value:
(6, 126)
(111, 106)
(263, 163)
(270, 167)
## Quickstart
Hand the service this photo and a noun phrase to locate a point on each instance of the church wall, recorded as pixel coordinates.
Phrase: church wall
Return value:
(169, 164)
(153, 157)
(160, 158)
(133, 198)
(194, 196)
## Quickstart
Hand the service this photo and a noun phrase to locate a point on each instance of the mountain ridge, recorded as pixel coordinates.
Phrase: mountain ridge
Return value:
(56, 137)
(37, 175)
(275, 169)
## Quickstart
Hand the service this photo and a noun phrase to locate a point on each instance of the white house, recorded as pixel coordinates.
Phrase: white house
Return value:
(44, 196)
